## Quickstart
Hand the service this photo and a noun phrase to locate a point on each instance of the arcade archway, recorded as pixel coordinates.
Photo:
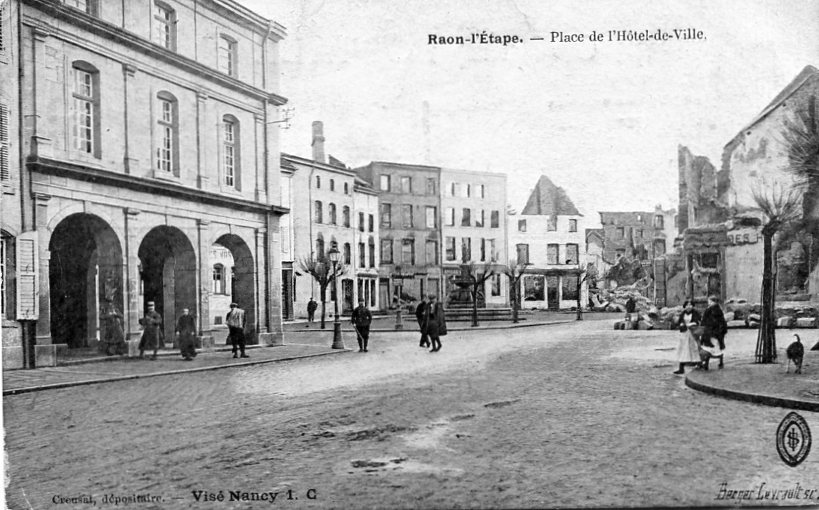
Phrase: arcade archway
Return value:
(85, 270)
(168, 269)
(239, 281)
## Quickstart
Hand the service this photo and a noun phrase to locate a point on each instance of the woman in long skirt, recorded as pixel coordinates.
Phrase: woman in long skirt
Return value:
(688, 348)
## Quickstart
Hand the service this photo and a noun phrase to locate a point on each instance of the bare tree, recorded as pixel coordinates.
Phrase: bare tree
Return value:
(515, 270)
(478, 275)
(781, 204)
(322, 271)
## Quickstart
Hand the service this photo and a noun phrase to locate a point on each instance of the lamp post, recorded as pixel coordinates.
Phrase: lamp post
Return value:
(333, 254)
(399, 277)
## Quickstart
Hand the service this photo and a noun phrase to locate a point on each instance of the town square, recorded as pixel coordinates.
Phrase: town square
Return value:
(409, 255)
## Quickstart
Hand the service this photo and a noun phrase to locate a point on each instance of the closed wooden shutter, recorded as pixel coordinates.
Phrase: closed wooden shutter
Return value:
(27, 277)
(4, 142)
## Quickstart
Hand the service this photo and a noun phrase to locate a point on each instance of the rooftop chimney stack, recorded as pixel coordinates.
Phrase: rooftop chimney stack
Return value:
(318, 141)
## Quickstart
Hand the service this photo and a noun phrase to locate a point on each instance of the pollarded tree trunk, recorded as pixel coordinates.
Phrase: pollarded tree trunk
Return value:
(474, 305)
(766, 340)
(323, 305)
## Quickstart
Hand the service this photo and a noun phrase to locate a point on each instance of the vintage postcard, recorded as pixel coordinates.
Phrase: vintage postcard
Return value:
(379, 254)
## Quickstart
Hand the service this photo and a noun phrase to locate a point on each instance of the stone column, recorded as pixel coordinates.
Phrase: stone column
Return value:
(40, 139)
(272, 253)
(43, 332)
(132, 302)
(202, 167)
(261, 187)
(203, 314)
(261, 286)
(129, 94)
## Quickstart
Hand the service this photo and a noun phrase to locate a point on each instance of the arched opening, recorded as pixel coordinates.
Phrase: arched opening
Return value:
(168, 269)
(239, 286)
(85, 272)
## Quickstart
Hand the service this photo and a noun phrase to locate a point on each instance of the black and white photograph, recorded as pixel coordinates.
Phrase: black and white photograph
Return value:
(371, 254)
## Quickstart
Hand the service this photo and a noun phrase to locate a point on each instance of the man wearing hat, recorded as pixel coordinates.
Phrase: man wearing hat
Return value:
(151, 332)
(435, 322)
(362, 318)
(235, 320)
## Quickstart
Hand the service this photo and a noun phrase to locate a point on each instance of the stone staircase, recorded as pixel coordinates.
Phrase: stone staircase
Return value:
(464, 313)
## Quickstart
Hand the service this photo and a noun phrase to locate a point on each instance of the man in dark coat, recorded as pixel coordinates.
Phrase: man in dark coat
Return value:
(714, 324)
(152, 331)
(435, 322)
(311, 311)
(186, 335)
(361, 319)
(419, 315)
(235, 320)
(113, 335)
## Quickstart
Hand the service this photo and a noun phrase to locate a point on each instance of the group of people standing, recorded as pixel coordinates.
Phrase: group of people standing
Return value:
(698, 335)
(431, 321)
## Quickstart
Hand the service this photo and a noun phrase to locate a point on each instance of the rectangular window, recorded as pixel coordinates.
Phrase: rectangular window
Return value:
(492, 254)
(572, 254)
(332, 184)
(386, 251)
(450, 216)
(77, 4)
(496, 285)
(4, 143)
(83, 111)
(408, 252)
(385, 183)
(406, 213)
(521, 225)
(371, 223)
(432, 217)
(452, 187)
(371, 252)
(551, 224)
(226, 56)
(483, 250)
(495, 219)
(450, 248)
(621, 233)
(534, 288)
(318, 212)
(164, 26)
(569, 288)
(432, 252)
(164, 153)
(552, 254)
(386, 216)
(482, 189)
(480, 219)
(362, 255)
(572, 225)
(406, 184)
(467, 190)
(430, 186)
(466, 217)
(229, 130)
(658, 221)
(523, 253)
(361, 222)
(466, 249)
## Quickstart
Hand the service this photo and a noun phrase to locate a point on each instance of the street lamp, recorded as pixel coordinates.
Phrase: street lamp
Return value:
(399, 277)
(333, 254)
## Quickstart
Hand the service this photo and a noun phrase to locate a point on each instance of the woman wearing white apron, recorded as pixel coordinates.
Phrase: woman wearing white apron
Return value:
(688, 348)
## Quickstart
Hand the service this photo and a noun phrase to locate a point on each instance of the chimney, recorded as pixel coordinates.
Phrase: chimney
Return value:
(318, 141)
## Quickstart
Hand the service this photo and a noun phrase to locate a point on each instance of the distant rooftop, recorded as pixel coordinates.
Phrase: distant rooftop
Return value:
(549, 200)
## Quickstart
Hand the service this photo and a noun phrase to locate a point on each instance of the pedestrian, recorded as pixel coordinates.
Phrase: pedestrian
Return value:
(113, 335)
(152, 336)
(435, 322)
(631, 306)
(311, 311)
(361, 319)
(419, 315)
(186, 335)
(688, 349)
(714, 328)
(235, 320)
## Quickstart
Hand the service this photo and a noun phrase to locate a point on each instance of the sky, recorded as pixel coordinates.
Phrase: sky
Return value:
(602, 119)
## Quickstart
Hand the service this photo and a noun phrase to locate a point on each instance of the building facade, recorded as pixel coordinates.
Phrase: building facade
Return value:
(146, 145)
(409, 203)
(473, 207)
(550, 235)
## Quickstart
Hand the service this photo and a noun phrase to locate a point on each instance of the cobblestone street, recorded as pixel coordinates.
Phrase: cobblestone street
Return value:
(565, 415)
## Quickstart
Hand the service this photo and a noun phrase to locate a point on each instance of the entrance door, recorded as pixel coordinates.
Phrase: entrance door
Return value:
(552, 293)
(383, 293)
(287, 294)
(347, 289)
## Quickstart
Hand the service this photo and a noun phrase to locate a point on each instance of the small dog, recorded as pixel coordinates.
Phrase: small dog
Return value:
(795, 352)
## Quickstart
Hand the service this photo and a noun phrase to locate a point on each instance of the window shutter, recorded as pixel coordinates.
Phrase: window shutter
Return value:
(4, 142)
(27, 277)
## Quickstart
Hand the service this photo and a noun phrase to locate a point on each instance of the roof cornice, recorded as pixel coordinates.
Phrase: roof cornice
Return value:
(115, 33)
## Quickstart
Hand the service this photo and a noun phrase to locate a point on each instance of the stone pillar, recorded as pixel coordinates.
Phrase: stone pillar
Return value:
(129, 94)
(261, 185)
(203, 178)
(43, 331)
(272, 253)
(41, 142)
(132, 302)
(261, 285)
(203, 314)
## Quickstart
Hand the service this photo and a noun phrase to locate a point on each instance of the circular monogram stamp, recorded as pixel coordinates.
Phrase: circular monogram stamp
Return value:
(793, 439)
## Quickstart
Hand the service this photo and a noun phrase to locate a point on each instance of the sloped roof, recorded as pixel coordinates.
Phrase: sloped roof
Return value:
(549, 200)
(806, 74)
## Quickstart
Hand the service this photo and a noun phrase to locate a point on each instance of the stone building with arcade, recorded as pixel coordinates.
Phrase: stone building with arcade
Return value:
(147, 143)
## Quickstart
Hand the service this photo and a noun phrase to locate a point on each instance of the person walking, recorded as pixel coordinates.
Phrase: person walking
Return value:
(186, 335)
(361, 319)
(152, 335)
(112, 333)
(311, 311)
(714, 328)
(435, 322)
(688, 348)
(419, 315)
(235, 320)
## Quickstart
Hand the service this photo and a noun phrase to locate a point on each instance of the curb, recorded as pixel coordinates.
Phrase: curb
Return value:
(68, 384)
(460, 328)
(767, 400)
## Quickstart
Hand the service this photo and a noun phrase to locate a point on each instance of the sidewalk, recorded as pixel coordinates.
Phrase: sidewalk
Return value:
(121, 369)
(767, 384)
(388, 326)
